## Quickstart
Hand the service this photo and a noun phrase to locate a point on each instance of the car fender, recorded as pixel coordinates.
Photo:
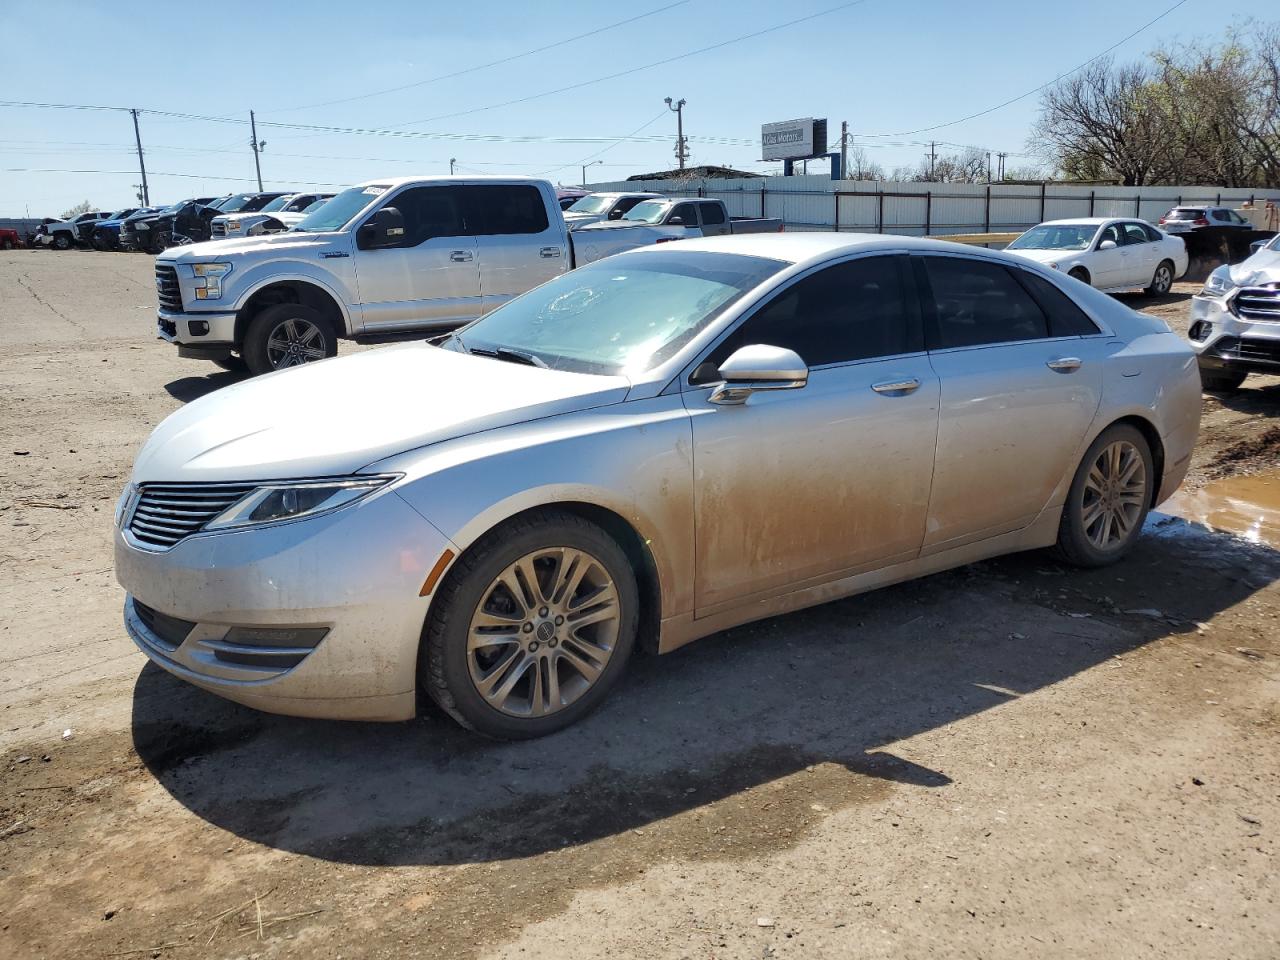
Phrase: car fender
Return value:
(265, 274)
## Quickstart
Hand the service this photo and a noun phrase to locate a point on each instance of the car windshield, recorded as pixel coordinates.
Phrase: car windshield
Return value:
(1056, 236)
(232, 204)
(338, 212)
(624, 314)
(651, 211)
(279, 203)
(1185, 213)
(593, 203)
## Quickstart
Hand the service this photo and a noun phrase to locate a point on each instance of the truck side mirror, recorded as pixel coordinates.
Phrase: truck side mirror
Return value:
(676, 222)
(385, 228)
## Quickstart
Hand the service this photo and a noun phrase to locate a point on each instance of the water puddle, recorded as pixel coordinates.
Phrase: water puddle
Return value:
(1249, 507)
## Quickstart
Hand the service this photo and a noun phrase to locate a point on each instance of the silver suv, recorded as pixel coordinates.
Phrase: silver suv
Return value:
(1235, 320)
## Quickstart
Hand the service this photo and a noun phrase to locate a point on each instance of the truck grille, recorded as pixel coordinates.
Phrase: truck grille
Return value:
(1251, 349)
(167, 289)
(1259, 303)
(218, 228)
(168, 512)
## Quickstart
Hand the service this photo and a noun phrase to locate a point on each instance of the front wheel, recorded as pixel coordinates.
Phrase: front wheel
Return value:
(1161, 280)
(159, 242)
(61, 242)
(8, 244)
(531, 628)
(287, 335)
(232, 363)
(1108, 500)
(1079, 273)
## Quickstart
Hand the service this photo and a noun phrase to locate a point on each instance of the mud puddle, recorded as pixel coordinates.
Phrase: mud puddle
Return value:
(1248, 506)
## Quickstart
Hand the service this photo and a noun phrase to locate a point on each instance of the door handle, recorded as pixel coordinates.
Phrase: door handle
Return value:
(460, 256)
(1065, 364)
(897, 388)
(549, 252)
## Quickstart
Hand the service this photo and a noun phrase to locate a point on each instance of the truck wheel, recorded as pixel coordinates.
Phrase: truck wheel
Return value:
(232, 364)
(287, 335)
(8, 244)
(61, 241)
(1221, 381)
(159, 242)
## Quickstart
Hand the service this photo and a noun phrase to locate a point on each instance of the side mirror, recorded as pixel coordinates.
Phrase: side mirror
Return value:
(676, 222)
(384, 228)
(1107, 245)
(616, 214)
(758, 367)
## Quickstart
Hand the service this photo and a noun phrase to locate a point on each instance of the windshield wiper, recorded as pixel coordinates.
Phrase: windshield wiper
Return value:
(508, 354)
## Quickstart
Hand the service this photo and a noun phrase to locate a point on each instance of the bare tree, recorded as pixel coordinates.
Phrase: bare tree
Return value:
(84, 206)
(860, 167)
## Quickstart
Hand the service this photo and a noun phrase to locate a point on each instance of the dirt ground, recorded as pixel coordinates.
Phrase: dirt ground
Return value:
(1011, 759)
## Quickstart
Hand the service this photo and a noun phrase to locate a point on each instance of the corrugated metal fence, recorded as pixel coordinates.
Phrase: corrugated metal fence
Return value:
(938, 209)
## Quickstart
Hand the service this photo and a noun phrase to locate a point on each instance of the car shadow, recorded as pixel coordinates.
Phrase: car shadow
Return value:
(838, 684)
(187, 389)
(1258, 396)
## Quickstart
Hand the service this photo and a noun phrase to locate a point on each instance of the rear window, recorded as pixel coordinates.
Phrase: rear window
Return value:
(1186, 213)
(504, 210)
(712, 213)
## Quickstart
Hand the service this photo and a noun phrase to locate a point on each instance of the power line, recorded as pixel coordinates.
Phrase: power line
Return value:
(591, 156)
(484, 66)
(1023, 96)
(162, 173)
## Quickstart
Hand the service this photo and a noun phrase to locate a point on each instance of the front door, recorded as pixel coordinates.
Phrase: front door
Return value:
(1141, 255)
(802, 485)
(1107, 267)
(432, 276)
(1020, 370)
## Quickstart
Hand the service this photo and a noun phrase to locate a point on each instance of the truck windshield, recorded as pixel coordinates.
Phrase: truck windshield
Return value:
(338, 212)
(651, 211)
(593, 203)
(278, 203)
(233, 203)
(624, 314)
(1056, 236)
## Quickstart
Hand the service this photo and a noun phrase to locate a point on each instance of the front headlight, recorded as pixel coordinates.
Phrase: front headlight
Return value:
(209, 279)
(233, 224)
(292, 501)
(1219, 283)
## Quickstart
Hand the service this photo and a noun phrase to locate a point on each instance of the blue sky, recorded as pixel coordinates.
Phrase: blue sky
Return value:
(886, 67)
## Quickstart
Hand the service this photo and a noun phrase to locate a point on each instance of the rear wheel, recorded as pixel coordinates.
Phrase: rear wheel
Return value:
(1221, 381)
(1161, 280)
(1108, 500)
(531, 628)
(287, 335)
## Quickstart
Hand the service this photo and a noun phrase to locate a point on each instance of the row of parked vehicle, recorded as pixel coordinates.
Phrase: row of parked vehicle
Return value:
(155, 229)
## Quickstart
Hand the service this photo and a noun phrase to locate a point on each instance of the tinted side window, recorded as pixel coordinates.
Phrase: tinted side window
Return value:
(852, 311)
(428, 212)
(510, 209)
(712, 213)
(1152, 233)
(1134, 233)
(686, 212)
(1065, 318)
(1112, 233)
(976, 302)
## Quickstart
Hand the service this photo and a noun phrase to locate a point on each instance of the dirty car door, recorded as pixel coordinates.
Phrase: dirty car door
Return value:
(800, 485)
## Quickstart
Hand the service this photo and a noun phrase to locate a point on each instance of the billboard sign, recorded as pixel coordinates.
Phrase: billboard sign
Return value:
(793, 139)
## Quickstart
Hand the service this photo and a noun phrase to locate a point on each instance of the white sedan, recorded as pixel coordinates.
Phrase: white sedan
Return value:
(1108, 253)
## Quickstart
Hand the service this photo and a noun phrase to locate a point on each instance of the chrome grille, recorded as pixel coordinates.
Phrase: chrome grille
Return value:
(1259, 303)
(218, 228)
(167, 289)
(167, 512)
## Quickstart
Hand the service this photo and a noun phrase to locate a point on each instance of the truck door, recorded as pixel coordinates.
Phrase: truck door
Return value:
(430, 277)
(518, 245)
(715, 222)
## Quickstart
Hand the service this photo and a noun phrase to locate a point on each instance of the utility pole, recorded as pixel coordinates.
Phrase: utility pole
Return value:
(933, 157)
(682, 149)
(146, 194)
(1000, 168)
(844, 149)
(988, 166)
(452, 161)
(257, 146)
(584, 170)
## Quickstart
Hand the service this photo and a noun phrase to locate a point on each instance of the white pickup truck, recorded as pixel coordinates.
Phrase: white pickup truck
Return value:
(665, 218)
(596, 207)
(378, 259)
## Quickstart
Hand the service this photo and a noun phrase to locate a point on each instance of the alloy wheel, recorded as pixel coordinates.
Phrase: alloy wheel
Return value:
(1115, 492)
(1163, 280)
(544, 632)
(293, 342)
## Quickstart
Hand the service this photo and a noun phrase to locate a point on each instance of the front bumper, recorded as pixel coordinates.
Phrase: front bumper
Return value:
(1224, 341)
(177, 328)
(355, 573)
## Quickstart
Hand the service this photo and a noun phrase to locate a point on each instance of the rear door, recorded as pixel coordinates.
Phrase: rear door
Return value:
(431, 276)
(1020, 371)
(714, 221)
(517, 244)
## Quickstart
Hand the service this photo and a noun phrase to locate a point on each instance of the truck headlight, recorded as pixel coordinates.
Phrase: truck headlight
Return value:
(209, 279)
(292, 501)
(233, 224)
(1219, 283)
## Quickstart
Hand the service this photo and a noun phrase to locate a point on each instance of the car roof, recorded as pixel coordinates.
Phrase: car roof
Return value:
(392, 182)
(802, 247)
(1096, 221)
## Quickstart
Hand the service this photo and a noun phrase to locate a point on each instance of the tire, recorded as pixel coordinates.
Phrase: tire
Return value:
(542, 646)
(1221, 381)
(61, 241)
(1161, 280)
(232, 364)
(1099, 506)
(287, 335)
(8, 244)
(1081, 274)
(159, 242)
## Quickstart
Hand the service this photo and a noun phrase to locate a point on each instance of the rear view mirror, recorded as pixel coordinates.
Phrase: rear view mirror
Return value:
(1107, 245)
(758, 367)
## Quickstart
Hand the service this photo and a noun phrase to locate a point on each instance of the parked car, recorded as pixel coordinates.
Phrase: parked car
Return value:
(267, 218)
(429, 254)
(9, 239)
(1235, 320)
(1258, 245)
(152, 231)
(595, 207)
(1109, 253)
(63, 234)
(85, 228)
(106, 233)
(568, 196)
(669, 219)
(1187, 219)
(645, 450)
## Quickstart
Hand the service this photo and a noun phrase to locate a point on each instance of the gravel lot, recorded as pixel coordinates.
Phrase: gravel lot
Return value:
(1006, 760)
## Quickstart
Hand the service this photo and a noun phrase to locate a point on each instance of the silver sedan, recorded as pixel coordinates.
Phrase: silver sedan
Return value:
(642, 452)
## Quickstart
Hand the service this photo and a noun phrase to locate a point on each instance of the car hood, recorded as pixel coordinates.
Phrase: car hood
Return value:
(333, 417)
(283, 243)
(1045, 256)
(1262, 267)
